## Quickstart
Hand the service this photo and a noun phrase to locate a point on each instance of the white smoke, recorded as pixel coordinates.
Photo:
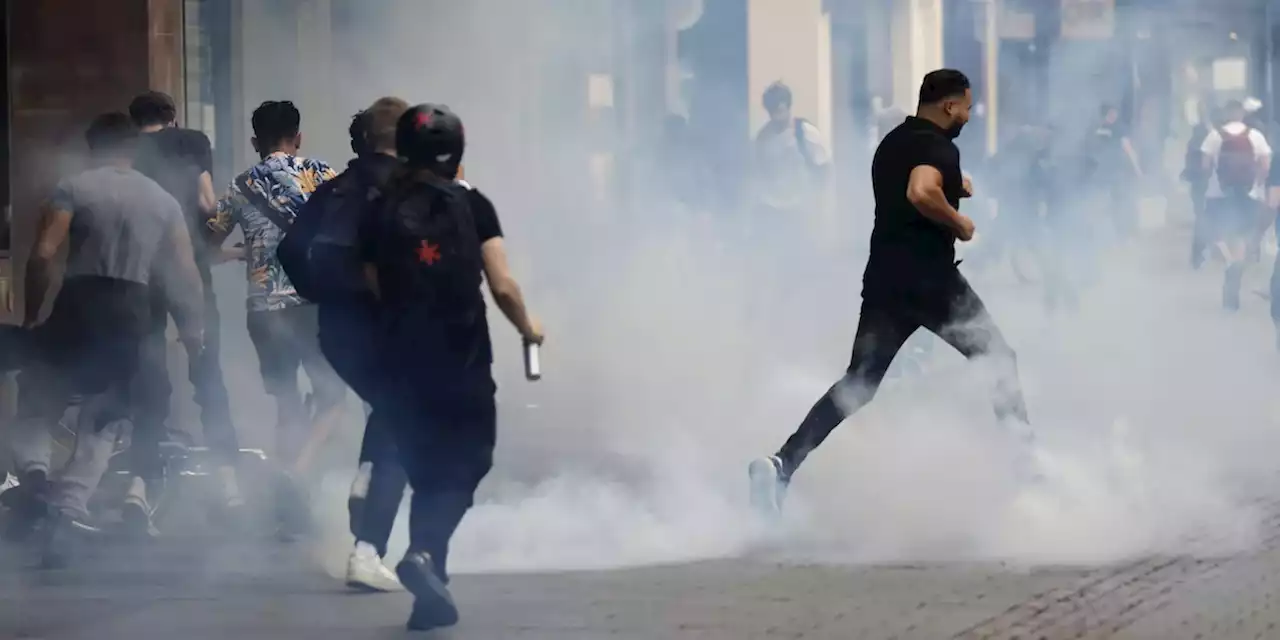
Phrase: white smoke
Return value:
(673, 360)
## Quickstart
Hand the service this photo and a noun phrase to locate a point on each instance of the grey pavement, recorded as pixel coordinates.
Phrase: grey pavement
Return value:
(184, 590)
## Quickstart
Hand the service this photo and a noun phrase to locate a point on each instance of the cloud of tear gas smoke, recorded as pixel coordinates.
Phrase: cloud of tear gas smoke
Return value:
(676, 355)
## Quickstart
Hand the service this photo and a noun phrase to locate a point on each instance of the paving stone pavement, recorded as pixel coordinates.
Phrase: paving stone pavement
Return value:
(270, 591)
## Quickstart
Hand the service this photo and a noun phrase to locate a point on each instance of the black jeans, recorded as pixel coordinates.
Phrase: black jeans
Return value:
(446, 443)
(152, 390)
(952, 311)
(348, 339)
(205, 374)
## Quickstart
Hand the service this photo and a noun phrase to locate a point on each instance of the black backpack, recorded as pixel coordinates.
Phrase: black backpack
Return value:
(428, 250)
(424, 244)
(320, 252)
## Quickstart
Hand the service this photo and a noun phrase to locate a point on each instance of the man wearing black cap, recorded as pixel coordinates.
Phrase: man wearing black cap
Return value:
(426, 249)
(911, 279)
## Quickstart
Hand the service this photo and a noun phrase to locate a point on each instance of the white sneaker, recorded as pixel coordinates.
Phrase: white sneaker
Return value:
(136, 512)
(365, 571)
(768, 485)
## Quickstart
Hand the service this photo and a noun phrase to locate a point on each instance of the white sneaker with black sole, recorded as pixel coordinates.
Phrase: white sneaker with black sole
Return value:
(365, 571)
(768, 485)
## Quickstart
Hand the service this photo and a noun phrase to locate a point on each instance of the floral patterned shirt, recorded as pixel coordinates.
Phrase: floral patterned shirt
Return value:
(285, 182)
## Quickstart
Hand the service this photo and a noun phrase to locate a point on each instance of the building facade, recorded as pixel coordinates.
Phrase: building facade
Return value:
(561, 90)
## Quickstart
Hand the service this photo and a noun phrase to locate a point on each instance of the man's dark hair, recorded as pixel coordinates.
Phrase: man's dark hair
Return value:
(1106, 108)
(776, 95)
(1233, 107)
(359, 132)
(152, 108)
(275, 121)
(111, 133)
(943, 84)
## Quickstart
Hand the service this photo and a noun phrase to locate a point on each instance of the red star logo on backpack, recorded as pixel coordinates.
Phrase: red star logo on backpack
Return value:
(424, 120)
(428, 253)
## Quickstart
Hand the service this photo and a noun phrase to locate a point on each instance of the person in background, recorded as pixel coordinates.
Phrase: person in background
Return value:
(1237, 159)
(181, 161)
(1114, 171)
(792, 169)
(1197, 179)
(263, 202)
(124, 236)
(427, 249)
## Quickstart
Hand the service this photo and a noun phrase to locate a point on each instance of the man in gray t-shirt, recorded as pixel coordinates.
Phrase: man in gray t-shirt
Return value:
(124, 234)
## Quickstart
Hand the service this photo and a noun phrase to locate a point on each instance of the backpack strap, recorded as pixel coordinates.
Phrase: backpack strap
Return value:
(260, 203)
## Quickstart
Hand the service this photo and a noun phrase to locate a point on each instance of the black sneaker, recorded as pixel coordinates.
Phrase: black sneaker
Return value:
(433, 605)
(26, 505)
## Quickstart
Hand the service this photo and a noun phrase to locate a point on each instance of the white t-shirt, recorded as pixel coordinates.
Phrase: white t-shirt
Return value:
(1213, 146)
(784, 179)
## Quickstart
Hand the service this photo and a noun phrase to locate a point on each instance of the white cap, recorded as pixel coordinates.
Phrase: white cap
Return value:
(1252, 104)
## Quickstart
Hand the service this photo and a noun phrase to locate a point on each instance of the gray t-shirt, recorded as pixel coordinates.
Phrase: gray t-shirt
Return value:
(119, 225)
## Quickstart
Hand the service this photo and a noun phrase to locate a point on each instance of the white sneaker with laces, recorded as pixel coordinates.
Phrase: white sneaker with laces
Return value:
(365, 571)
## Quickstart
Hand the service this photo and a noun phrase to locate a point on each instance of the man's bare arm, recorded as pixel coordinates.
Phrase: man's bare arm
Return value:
(208, 199)
(925, 192)
(506, 292)
(54, 227)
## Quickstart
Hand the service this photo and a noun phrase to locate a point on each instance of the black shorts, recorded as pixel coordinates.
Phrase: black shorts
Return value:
(286, 340)
(94, 332)
(88, 346)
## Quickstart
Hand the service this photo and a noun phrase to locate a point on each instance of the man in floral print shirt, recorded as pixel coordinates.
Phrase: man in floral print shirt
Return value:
(263, 202)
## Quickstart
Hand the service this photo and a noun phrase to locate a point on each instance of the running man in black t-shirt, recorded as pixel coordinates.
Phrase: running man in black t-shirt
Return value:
(911, 280)
(181, 161)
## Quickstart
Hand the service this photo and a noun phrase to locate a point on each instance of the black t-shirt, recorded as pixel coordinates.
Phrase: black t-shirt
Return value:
(907, 247)
(173, 143)
(485, 215)
(175, 158)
